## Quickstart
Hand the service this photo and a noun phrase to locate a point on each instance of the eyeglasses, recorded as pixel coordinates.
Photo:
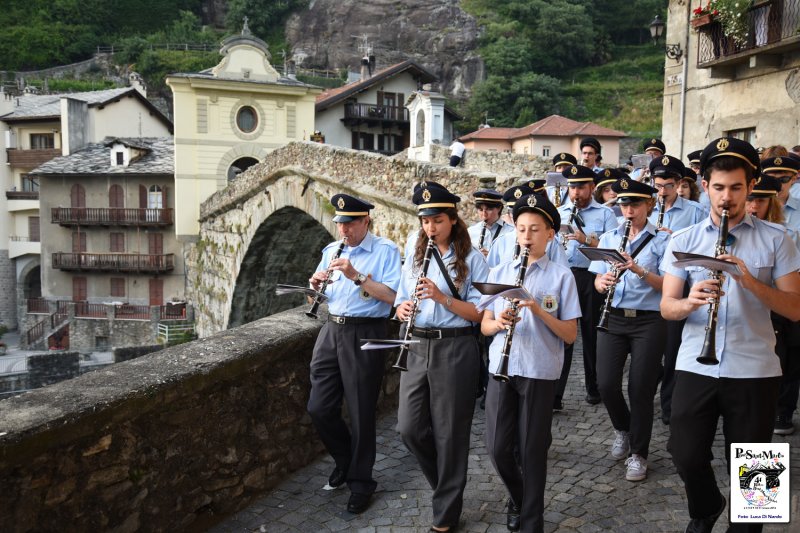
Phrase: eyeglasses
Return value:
(667, 186)
(785, 179)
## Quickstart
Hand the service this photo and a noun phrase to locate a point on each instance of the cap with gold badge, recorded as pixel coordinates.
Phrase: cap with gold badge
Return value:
(488, 197)
(765, 186)
(729, 147)
(348, 208)
(655, 144)
(630, 191)
(578, 175)
(780, 164)
(433, 200)
(564, 159)
(537, 203)
(516, 192)
(667, 167)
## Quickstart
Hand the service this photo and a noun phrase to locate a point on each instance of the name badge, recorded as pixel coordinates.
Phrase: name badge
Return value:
(549, 303)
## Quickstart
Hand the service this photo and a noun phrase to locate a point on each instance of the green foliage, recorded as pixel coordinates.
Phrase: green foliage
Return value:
(266, 18)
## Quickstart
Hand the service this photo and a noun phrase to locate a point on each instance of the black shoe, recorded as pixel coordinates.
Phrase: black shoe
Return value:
(783, 425)
(592, 399)
(358, 502)
(512, 518)
(558, 405)
(705, 525)
(337, 479)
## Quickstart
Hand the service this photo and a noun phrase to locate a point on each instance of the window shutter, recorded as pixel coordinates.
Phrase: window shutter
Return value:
(164, 204)
(354, 139)
(142, 197)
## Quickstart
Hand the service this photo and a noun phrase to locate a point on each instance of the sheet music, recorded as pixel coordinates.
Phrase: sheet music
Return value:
(493, 291)
(686, 259)
(609, 255)
(282, 288)
(385, 344)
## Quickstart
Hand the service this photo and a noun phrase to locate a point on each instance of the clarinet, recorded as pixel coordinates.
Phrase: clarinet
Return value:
(402, 358)
(483, 236)
(501, 374)
(557, 196)
(708, 355)
(662, 204)
(572, 213)
(602, 325)
(318, 298)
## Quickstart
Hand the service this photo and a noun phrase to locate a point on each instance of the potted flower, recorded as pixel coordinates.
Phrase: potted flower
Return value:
(702, 16)
(733, 17)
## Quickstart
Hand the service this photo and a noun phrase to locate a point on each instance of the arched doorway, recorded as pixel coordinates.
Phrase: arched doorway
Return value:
(32, 283)
(285, 249)
(239, 166)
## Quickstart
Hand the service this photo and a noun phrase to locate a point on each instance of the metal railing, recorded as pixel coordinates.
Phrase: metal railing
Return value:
(89, 310)
(110, 216)
(768, 23)
(17, 238)
(132, 312)
(172, 312)
(37, 306)
(376, 112)
(114, 262)
(171, 332)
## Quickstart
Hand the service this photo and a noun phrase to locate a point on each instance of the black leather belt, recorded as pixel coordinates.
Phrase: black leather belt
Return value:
(579, 269)
(354, 320)
(441, 333)
(631, 313)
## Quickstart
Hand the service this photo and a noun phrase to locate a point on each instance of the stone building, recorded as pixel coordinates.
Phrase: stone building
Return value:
(34, 129)
(716, 85)
(109, 252)
(228, 118)
(546, 138)
(371, 114)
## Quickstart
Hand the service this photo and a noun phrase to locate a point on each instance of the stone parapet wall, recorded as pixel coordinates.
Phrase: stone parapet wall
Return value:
(509, 167)
(170, 441)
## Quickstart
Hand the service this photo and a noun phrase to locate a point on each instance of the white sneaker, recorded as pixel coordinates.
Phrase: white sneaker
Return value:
(637, 468)
(621, 446)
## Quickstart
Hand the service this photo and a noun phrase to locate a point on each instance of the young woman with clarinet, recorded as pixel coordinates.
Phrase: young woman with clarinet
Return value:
(526, 357)
(630, 323)
(437, 392)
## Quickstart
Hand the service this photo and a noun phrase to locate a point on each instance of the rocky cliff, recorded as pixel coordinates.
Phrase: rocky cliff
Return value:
(438, 35)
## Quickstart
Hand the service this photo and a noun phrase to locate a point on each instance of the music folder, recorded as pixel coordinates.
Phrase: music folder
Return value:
(556, 179)
(686, 259)
(385, 344)
(493, 291)
(282, 288)
(609, 255)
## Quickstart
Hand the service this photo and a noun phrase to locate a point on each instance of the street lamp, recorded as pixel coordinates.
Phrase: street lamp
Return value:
(657, 27)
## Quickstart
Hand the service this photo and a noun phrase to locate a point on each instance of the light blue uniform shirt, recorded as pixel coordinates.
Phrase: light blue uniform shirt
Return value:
(431, 314)
(745, 340)
(791, 212)
(597, 220)
(682, 214)
(536, 352)
(632, 292)
(374, 256)
(502, 250)
(794, 191)
(499, 228)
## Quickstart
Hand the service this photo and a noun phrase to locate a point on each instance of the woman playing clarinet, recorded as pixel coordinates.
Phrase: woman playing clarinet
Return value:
(519, 409)
(634, 325)
(437, 392)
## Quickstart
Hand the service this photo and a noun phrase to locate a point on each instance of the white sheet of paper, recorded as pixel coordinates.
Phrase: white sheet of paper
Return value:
(685, 259)
(282, 288)
(385, 344)
(493, 291)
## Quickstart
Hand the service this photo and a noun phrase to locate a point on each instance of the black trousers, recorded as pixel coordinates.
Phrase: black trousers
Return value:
(747, 407)
(340, 370)
(590, 301)
(643, 338)
(787, 335)
(521, 411)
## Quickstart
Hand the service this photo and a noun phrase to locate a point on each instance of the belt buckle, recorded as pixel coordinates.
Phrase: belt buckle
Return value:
(630, 313)
(338, 320)
(438, 334)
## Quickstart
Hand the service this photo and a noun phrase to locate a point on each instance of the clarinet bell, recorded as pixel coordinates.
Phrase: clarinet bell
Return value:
(312, 313)
(402, 359)
(502, 371)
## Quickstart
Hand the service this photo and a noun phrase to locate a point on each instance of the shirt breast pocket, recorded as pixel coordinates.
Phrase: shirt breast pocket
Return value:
(760, 267)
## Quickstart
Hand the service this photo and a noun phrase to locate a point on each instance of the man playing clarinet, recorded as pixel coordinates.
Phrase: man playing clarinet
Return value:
(742, 387)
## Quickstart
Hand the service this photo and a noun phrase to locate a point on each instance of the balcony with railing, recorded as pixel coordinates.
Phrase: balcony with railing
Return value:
(30, 190)
(773, 27)
(31, 158)
(110, 216)
(374, 114)
(149, 263)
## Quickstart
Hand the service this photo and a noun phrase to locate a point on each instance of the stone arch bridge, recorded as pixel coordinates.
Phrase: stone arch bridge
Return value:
(270, 224)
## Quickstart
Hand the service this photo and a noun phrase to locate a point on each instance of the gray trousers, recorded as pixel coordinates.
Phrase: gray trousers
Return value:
(437, 400)
(521, 410)
(339, 369)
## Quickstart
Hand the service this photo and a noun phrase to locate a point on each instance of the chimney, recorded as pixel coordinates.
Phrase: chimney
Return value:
(371, 64)
(365, 70)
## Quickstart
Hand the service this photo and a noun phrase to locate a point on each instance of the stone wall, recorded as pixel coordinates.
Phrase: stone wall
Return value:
(48, 368)
(170, 441)
(132, 352)
(84, 333)
(8, 287)
(508, 167)
(301, 177)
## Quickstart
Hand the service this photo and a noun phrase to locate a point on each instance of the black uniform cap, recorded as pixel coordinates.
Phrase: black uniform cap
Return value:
(694, 157)
(516, 192)
(667, 167)
(591, 141)
(780, 164)
(564, 159)
(658, 144)
(608, 176)
(537, 203)
(536, 184)
(578, 175)
(765, 186)
(433, 200)
(629, 191)
(489, 197)
(729, 147)
(431, 184)
(348, 208)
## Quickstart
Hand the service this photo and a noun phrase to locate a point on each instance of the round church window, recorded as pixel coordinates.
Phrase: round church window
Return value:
(247, 119)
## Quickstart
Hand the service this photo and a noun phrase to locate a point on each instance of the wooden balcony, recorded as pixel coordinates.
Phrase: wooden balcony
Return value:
(30, 158)
(772, 31)
(110, 216)
(374, 115)
(86, 262)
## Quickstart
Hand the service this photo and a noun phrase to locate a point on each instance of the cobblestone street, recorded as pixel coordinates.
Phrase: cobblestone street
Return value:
(586, 488)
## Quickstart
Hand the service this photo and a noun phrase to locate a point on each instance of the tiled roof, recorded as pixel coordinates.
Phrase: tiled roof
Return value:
(207, 75)
(49, 105)
(95, 158)
(552, 126)
(332, 96)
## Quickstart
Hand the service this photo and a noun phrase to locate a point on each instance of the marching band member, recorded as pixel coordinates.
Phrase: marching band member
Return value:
(489, 204)
(743, 386)
(519, 412)
(365, 277)
(634, 326)
(561, 162)
(590, 220)
(437, 393)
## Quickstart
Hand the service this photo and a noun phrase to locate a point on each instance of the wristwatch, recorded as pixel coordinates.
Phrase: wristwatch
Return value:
(645, 272)
(361, 278)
